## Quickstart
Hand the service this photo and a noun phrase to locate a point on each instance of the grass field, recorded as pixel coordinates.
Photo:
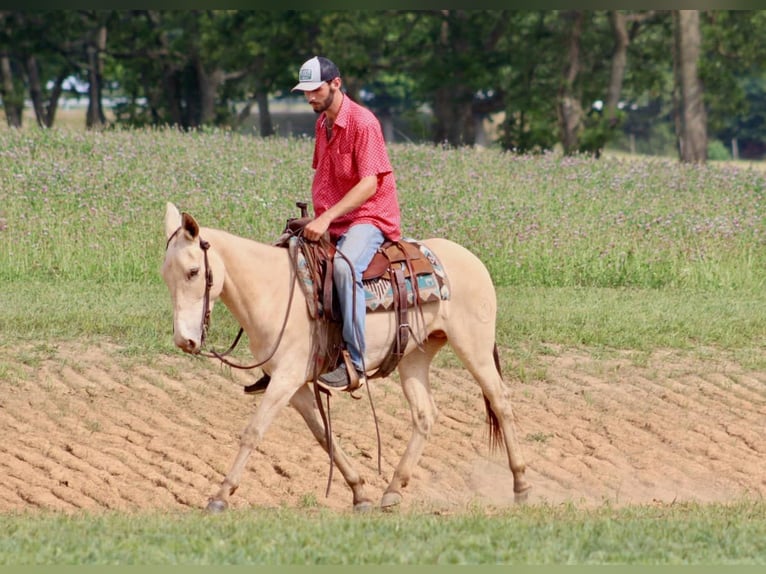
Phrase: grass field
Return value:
(603, 256)
(688, 534)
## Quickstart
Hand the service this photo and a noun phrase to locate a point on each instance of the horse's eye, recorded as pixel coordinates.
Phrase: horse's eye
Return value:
(192, 273)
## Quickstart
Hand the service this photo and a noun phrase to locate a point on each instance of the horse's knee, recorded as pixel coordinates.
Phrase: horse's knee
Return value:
(422, 408)
(424, 419)
(250, 438)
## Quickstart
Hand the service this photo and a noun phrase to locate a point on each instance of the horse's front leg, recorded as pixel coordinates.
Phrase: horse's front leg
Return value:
(275, 398)
(304, 402)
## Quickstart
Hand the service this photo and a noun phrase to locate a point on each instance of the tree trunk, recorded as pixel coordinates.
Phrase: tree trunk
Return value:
(13, 108)
(95, 118)
(387, 125)
(36, 91)
(208, 84)
(693, 118)
(570, 109)
(453, 114)
(619, 63)
(53, 100)
(453, 102)
(264, 115)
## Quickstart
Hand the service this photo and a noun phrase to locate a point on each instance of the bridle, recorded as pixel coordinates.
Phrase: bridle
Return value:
(205, 322)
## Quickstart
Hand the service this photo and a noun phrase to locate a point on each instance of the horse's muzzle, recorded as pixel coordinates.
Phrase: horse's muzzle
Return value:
(188, 346)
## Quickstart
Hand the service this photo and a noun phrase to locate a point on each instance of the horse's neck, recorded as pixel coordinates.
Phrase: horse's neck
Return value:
(256, 276)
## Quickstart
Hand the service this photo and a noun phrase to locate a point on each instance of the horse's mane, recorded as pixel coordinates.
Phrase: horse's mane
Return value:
(225, 240)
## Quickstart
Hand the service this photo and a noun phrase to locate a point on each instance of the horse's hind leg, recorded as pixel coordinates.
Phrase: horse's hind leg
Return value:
(485, 369)
(304, 403)
(413, 371)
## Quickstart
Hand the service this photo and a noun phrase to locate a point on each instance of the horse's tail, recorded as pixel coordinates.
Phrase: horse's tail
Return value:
(495, 430)
(496, 356)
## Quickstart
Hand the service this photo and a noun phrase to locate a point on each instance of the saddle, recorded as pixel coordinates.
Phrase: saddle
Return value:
(395, 261)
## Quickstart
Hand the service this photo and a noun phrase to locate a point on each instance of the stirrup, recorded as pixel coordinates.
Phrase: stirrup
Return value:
(344, 377)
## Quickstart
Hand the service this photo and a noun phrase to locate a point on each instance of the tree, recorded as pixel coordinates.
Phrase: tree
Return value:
(95, 50)
(10, 89)
(452, 60)
(271, 48)
(690, 110)
(734, 78)
(625, 28)
(570, 112)
(530, 75)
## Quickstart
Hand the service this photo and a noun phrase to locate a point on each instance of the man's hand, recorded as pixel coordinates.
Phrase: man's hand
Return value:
(355, 197)
(315, 228)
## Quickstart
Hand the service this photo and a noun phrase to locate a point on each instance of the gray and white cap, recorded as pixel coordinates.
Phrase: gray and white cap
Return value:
(315, 72)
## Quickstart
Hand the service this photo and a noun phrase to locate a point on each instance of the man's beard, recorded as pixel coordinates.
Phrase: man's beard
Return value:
(326, 103)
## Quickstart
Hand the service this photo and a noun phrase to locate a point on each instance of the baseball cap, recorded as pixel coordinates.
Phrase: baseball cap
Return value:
(314, 72)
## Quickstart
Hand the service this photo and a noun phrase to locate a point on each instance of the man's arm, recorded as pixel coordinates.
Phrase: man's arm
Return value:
(355, 197)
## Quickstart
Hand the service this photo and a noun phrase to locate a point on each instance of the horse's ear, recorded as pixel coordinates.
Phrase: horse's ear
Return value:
(190, 226)
(172, 219)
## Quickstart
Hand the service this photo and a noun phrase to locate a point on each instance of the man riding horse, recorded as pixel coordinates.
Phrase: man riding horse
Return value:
(354, 198)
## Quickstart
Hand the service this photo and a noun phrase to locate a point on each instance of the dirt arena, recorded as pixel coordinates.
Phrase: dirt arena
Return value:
(86, 427)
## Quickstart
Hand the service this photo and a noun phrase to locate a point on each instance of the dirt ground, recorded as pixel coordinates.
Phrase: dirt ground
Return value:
(86, 427)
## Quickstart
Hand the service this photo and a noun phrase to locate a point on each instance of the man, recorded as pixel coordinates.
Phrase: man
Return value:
(354, 198)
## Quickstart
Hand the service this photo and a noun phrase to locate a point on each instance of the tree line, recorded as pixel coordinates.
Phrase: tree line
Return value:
(575, 78)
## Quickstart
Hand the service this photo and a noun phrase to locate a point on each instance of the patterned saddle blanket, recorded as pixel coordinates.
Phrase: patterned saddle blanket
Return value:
(378, 293)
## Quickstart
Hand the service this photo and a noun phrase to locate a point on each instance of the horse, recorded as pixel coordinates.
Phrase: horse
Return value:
(254, 281)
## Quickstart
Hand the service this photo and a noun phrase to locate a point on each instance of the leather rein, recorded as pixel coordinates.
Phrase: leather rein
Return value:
(205, 322)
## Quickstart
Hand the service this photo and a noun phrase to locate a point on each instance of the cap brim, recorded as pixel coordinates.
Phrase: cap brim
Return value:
(307, 86)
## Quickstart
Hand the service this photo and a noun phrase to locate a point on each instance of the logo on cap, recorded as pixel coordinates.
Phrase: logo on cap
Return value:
(305, 74)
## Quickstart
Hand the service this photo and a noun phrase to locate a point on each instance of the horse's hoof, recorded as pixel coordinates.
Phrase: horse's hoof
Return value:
(390, 500)
(522, 495)
(215, 506)
(363, 506)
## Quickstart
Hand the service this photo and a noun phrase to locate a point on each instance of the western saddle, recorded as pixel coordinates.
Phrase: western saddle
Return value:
(394, 261)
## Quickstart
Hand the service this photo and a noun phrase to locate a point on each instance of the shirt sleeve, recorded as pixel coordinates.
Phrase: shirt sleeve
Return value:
(371, 154)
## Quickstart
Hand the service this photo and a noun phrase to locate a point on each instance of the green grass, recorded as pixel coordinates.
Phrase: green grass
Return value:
(638, 253)
(138, 317)
(675, 534)
(89, 206)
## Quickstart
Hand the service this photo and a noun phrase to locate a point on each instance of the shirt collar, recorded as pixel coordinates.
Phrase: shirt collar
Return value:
(342, 117)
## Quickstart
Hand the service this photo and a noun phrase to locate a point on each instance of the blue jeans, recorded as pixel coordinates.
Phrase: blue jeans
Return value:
(358, 245)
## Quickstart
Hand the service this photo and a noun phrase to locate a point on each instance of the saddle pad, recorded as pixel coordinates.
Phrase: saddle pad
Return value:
(378, 293)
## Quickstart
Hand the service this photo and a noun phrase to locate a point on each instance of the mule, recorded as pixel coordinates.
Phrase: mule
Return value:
(253, 280)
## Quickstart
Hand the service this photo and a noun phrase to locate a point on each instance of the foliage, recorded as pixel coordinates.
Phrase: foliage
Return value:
(165, 66)
(717, 151)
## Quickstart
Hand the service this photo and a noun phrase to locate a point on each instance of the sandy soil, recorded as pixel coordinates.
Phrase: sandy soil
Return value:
(86, 427)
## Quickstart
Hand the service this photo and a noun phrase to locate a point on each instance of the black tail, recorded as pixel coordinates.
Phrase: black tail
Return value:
(495, 431)
(496, 355)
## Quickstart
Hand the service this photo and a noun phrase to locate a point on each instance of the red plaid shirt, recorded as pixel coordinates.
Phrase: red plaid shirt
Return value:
(357, 149)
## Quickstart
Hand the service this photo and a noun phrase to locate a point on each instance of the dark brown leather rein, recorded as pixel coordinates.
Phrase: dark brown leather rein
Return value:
(205, 323)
